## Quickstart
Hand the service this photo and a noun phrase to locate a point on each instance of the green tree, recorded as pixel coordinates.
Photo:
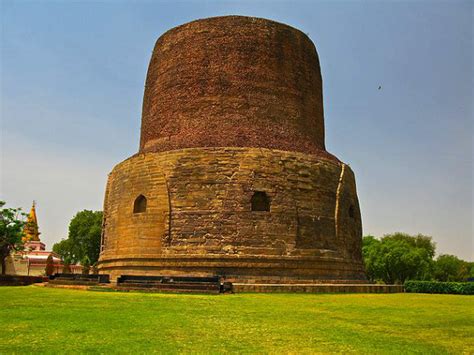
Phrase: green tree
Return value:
(65, 250)
(370, 250)
(398, 257)
(83, 240)
(451, 268)
(11, 232)
(416, 241)
(470, 266)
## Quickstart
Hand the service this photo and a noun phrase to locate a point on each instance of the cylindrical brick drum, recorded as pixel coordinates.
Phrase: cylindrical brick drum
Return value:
(233, 82)
(232, 178)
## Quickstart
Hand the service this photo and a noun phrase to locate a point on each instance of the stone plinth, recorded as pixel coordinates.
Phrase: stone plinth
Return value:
(316, 288)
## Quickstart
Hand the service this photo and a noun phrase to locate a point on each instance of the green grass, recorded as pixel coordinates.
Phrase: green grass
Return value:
(37, 319)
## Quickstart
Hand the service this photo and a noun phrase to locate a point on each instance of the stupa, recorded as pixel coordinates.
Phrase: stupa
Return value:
(232, 177)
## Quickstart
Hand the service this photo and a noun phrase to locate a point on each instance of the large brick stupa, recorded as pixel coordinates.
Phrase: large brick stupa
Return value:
(232, 177)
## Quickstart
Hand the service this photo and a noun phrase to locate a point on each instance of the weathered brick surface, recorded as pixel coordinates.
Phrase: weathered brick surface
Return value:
(233, 82)
(232, 106)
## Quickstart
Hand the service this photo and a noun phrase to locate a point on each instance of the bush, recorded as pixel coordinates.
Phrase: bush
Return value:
(459, 288)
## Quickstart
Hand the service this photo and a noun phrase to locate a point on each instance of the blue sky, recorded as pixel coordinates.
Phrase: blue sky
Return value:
(73, 73)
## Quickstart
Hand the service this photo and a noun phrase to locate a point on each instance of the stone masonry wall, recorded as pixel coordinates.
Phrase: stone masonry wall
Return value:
(199, 205)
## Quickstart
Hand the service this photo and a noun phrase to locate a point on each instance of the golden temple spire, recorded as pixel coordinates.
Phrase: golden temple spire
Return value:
(31, 230)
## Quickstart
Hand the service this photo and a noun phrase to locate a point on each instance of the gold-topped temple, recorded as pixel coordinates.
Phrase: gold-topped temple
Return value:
(31, 230)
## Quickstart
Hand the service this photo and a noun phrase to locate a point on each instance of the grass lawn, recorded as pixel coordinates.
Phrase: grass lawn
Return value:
(38, 319)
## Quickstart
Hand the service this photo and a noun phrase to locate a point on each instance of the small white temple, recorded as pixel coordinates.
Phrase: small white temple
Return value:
(32, 260)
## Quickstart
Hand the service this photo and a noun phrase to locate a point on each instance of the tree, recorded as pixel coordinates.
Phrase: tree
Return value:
(416, 241)
(398, 257)
(65, 250)
(11, 232)
(370, 250)
(470, 266)
(83, 240)
(49, 265)
(451, 268)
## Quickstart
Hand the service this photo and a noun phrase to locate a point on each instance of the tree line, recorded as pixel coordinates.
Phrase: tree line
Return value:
(398, 257)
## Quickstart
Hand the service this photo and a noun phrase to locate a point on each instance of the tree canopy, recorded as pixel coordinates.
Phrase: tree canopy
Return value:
(451, 268)
(398, 257)
(65, 250)
(83, 241)
(11, 231)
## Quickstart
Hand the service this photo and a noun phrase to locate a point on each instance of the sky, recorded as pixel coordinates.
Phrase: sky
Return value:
(73, 74)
